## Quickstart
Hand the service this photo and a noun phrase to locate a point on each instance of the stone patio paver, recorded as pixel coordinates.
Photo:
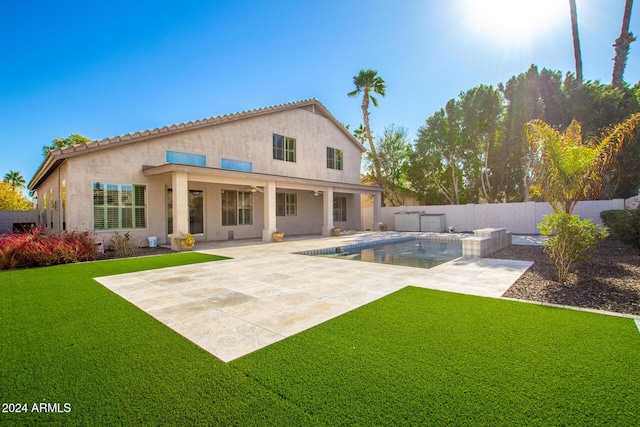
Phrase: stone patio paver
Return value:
(266, 292)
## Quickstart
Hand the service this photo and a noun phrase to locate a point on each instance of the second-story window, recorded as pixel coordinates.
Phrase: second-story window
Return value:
(284, 148)
(334, 158)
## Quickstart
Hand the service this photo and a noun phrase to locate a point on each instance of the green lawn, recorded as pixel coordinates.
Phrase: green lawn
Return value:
(416, 357)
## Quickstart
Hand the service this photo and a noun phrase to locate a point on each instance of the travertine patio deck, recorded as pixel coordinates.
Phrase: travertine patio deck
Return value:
(266, 293)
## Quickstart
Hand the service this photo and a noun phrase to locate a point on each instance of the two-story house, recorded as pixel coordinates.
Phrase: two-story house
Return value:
(291, 167)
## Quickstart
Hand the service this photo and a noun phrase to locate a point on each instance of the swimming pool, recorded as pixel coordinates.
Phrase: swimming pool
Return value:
(411, 253)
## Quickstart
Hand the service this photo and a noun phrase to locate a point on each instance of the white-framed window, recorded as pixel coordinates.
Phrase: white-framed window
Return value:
(334, 158)
(284, 148)
(119, 206)
(339, 209)
(286, 204)
(237, 207)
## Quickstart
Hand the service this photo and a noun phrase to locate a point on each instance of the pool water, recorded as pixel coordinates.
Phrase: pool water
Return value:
(412, 254)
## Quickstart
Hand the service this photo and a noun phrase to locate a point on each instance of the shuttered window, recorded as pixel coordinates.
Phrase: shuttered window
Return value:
(119, 206)
(237, 207)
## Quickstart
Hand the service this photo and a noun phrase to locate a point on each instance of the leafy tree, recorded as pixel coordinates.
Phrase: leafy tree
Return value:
(481, 109)
(546, 95)
(439, 155)
(14, 179)
(598, 106)
(528, 96)
(477, 145)
(455, 149)
(394, 150)
(622, 48)
(12, 199)
(366, 82)
(570, 169)
(73, 139)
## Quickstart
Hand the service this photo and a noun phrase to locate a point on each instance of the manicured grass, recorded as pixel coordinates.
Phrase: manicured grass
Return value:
(417, 357)
(64, 338)
(422, 357)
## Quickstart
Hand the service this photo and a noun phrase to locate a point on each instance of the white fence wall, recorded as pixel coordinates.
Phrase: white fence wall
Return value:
(7, 218)
(519, 218)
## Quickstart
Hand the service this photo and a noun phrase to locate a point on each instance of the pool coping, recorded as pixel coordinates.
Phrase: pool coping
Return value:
(376, 243)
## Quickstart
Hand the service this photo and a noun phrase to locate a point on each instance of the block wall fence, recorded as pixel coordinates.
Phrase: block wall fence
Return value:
(519, 218)
(7, 218)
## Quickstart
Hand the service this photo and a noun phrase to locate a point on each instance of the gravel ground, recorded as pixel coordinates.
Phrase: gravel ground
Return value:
(143, 251)
(609, 280)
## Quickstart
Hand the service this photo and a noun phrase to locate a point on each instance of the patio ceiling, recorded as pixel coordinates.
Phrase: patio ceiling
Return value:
(225, 176)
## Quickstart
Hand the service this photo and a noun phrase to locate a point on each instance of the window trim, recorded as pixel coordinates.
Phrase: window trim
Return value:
(335, 158)
(286, 204)
(284, 148)
(237, 207)
(118, 203)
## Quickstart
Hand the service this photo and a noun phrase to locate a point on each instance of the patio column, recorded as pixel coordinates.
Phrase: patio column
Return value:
(327, 211)
(269, 211)
(377, 211)
(180, 201)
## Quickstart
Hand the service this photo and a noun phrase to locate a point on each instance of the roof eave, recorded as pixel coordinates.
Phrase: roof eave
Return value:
(47, 166)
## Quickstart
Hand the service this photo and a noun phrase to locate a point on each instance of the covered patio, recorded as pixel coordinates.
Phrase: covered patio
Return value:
(314, 212)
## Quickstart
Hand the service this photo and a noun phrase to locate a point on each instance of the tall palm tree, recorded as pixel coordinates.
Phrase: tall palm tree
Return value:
(622, 47)
(368, 81)
(570, 169)
(14, 179)
(360, 134)
(576, 41)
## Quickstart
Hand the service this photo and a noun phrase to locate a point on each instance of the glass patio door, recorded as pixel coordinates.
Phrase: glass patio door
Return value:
(196, 211)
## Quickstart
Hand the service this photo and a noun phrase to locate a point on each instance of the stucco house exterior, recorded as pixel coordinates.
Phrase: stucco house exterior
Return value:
(291, 167)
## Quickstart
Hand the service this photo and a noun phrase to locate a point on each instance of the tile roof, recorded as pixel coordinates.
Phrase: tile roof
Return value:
(54, 157)
(144, 134)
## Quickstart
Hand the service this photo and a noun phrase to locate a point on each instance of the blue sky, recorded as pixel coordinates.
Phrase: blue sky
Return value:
(110, 68)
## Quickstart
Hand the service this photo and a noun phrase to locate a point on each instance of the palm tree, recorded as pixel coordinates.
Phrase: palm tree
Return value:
(368, 81)
(360, 134)
(576, 41)
(622, 47)
(570, 169)
(14, 179)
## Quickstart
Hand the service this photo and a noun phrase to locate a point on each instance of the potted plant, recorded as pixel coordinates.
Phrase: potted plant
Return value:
(185, 241)
(278, 236)
(335, 231)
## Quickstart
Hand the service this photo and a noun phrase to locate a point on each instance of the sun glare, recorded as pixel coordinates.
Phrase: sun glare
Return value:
(513, 23)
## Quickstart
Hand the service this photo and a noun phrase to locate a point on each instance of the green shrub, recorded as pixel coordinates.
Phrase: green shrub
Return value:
(610, 218)
(570, 240)
(624, 225)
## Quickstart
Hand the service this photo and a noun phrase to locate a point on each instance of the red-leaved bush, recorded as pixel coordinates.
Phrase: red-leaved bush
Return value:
(36, 248)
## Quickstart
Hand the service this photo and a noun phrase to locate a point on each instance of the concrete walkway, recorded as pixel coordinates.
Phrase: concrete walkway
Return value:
(266, 293)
